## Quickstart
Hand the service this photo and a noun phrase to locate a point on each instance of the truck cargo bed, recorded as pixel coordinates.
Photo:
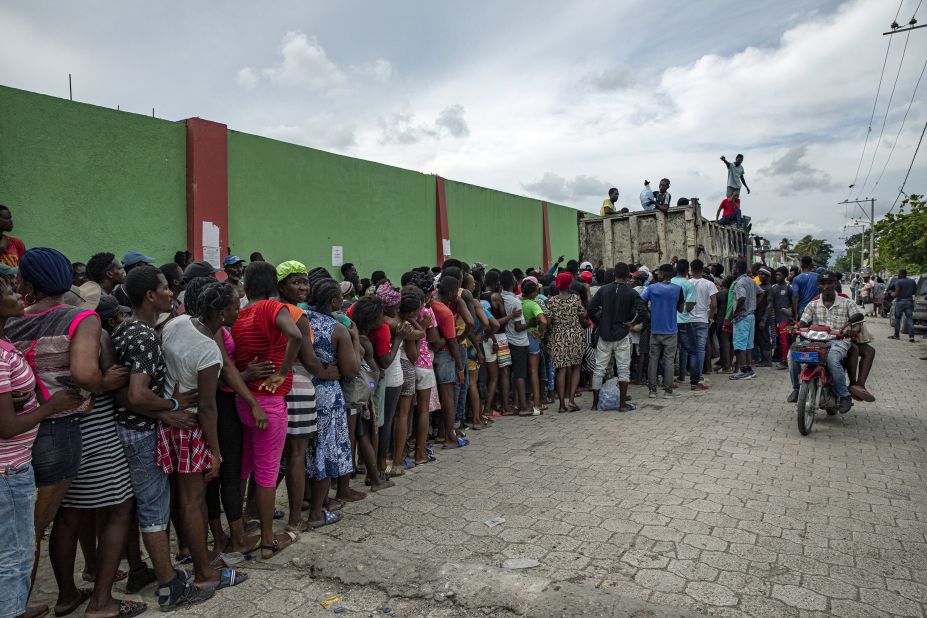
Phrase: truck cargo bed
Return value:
(652, 238)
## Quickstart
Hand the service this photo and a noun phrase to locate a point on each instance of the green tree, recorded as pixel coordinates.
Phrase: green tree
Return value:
(902, 236)
(819, 249)
(785, 244)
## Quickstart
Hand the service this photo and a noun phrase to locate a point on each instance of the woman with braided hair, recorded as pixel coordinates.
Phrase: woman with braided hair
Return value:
(330, 456)
(193, 360)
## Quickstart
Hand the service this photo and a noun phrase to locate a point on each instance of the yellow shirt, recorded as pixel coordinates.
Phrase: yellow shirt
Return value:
(607, 208)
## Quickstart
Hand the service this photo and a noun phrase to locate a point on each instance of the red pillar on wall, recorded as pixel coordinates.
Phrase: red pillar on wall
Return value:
(442, 232)
(207, 190)
(546, 237)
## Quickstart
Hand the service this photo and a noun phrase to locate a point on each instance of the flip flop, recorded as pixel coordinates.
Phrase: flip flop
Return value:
(228, 578)
(328, 518)
(384, 485)
(630, 407)
(128, 609)
(409, 463)
(431, 459)
(278, 513)
(183, 559)
(82, 597)
(461, 442)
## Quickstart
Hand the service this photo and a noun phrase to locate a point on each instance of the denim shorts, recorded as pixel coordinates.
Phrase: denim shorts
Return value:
(744, 332)
(151, 486)
(534, 345)
(445, 368)
(57, 449)
(17, 541)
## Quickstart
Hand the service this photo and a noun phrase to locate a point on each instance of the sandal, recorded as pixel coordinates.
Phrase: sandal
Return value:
(275, 547)
(383, 485)
(83, 595)
(429, 459)
(128, 609)
(461, 442)
(328, 518)
(229, 577)
(573, 408)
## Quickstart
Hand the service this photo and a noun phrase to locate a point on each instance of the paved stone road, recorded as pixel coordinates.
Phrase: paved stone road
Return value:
(712, 503)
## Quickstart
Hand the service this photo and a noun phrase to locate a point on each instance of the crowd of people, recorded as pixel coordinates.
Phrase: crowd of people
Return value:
(136, 399)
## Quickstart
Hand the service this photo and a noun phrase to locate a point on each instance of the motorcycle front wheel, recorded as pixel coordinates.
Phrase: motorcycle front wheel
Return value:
(807, 402)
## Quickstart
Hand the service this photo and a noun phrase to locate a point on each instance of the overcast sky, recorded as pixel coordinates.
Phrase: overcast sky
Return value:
(556, 100)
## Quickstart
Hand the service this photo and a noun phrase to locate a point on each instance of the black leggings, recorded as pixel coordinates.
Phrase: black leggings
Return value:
(390, 401)
(228, 483)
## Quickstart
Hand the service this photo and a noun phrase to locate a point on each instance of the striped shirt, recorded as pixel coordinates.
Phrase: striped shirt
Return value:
(15, 375)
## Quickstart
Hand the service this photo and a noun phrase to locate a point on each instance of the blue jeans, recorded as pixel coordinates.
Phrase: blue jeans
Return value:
(461, 390)
(684, 348)
(151, 486)
(838, 351)
(737, 218)
(17, 538)
(698, 338)
(904, 308)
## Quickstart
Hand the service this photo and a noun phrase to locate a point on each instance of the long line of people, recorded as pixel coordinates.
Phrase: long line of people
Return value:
(144, 398)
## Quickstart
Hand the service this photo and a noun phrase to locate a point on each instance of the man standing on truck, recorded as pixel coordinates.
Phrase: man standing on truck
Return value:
(735, 174)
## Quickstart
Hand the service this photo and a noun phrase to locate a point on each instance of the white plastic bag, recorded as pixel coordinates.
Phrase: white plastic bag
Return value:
(646, 196)
(609, 396)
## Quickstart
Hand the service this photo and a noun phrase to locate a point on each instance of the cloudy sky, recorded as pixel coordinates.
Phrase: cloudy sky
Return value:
(557, 100)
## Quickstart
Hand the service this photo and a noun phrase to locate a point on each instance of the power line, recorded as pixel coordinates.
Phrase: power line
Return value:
(888, 109)
(901, 189)
(874, 103)
(897, 137)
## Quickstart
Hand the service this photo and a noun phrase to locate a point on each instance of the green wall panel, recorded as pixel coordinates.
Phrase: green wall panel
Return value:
(291, 202)
(564, 239)
(84, 179)
(499, 229)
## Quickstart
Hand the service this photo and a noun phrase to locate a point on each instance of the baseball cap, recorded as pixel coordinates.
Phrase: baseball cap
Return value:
(828, 275)
(109, 307)
(585, 266)
(229, 260)
(198, 269)
(135, 257)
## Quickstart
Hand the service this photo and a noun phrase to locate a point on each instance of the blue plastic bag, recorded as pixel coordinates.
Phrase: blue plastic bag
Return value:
(609, 396)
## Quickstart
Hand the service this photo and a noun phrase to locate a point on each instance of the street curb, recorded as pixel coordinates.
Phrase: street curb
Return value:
(468, 585)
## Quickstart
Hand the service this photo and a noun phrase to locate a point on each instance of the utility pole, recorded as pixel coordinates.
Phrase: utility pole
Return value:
(871, 216)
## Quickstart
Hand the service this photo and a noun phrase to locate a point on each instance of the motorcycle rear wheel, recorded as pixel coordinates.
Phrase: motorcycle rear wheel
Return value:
(807, 402)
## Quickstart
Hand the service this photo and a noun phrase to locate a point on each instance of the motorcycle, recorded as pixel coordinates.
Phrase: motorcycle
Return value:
(816, 390)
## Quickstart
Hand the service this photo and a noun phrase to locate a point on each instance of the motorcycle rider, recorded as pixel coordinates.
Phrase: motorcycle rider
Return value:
(832, 311)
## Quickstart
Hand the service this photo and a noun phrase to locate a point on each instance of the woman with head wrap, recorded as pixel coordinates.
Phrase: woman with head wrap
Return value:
(330, 455)
(62, 344)
(293, 289)
(566, 343)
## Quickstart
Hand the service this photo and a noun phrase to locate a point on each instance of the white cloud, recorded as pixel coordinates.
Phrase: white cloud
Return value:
(796, 175)
(247, 78)
(401, 127)
(559, 189)
(305, 64)
(381, 70)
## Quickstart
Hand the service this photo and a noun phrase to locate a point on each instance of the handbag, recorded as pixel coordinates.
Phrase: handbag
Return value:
(358, 390)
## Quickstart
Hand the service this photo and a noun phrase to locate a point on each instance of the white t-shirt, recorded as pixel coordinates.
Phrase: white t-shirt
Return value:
(704, 290)
(187, 351)
(734, 172)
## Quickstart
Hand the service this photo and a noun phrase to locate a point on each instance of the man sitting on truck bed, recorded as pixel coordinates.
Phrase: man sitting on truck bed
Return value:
(608, 205)
(661, 198)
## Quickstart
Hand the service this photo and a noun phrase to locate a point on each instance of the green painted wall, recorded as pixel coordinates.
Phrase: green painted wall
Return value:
(564, 239)
(294, 203)
(499, 229)
(84, 179)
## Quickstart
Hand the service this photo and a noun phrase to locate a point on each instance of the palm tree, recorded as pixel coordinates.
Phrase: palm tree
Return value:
(808, 246)
(785, 244)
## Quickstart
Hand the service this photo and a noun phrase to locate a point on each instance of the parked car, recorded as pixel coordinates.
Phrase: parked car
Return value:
(920, 305)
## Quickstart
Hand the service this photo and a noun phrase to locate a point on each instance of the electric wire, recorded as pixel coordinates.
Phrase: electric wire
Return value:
(901, 188)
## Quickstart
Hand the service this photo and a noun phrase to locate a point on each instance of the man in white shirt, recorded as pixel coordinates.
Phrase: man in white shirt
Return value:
(701, 316)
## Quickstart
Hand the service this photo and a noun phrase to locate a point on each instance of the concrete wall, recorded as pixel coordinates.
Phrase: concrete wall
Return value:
(82, 178)
(294, 203)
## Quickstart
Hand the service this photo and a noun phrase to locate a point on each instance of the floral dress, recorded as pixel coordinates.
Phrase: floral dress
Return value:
(566, 342)
(329, 455)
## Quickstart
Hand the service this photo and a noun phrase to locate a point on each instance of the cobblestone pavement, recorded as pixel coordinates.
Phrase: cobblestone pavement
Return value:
(712, 503)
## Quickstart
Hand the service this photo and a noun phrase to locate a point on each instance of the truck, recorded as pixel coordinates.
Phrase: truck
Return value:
(654, 237)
